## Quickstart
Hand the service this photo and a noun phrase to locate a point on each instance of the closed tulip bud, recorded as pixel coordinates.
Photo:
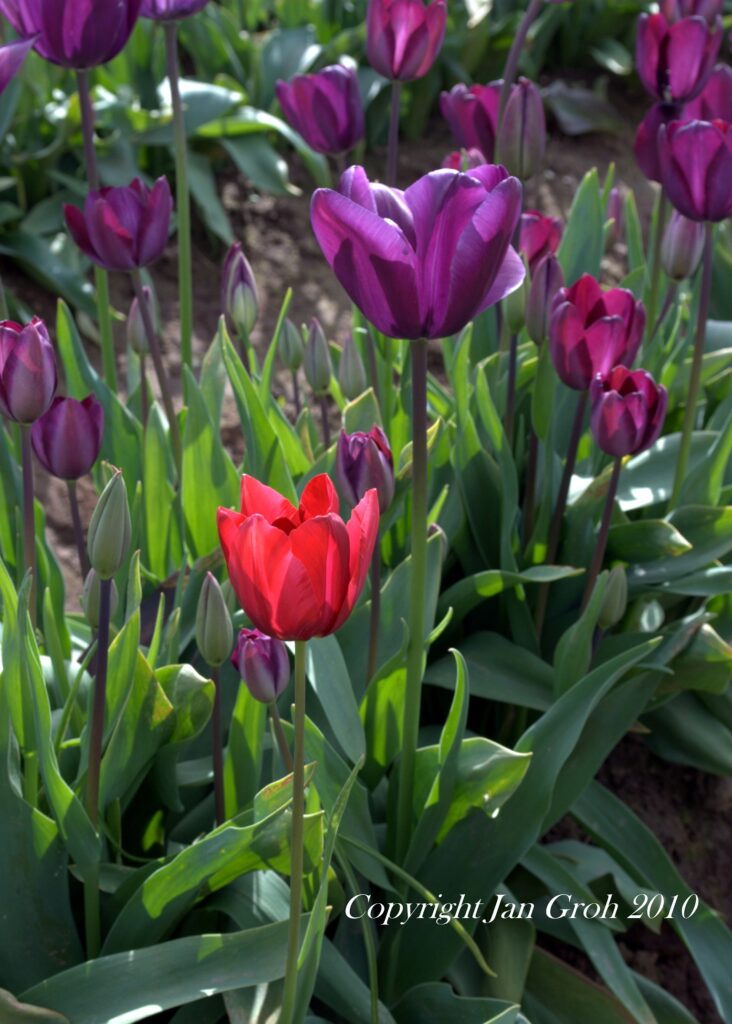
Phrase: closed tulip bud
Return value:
(514, 306)
(68, 437)
(351, 371)
(28, 375)
(214, 631)
(136, 333)
(539, 235)
(325, 108)
(364, 461)
(615, 600)
(316, 360)
(90, 598)
(403, 37)
(546, 281)
(291, 346)
(262, 662)
(674, 60)
(696, 168)
(628, 410)
(682, 247)
(110, 529)
(472, 113)
(522, 137)
(239, 294)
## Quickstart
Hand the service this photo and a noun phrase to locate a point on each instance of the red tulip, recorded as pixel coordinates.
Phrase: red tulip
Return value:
(297, 572)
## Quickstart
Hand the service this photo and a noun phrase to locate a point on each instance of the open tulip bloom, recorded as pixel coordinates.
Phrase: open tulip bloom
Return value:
(675, 60)
(74, 33)
(628, 410)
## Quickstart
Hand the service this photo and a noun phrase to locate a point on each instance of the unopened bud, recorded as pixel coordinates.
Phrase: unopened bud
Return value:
(262, 663)
(90, 598)
(615, 600)
(136, 333)
(546, 281)
(522, 138)
(291, 346)
(316, 362)
(682, 246)
(214, 631)
(239, 295)
(365, 461)
(351, 371)
(110, 529)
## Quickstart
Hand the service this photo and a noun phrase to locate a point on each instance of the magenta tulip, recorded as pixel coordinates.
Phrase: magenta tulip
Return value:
(123, 228)
(403, 37)
(674, 10)
(325, 108)
(12, 56)
(675, 60)
(540, 236)
(74, 33)
(696, 168)
(170, 10)
(592, 330)
(628, 410)
(714, 102)
(364, 461)
(645, 146)
(68, 437)
(422, 263)
(28, 375)
(472, 113)
(262, 663)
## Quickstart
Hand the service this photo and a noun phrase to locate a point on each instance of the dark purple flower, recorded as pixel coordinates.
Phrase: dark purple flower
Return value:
(464, 159)
(592, 330)
(522, 136)
(546, 280)
(675, 10)
(628, 410)
(696, 165)
(364, 461)
(325, 108)
(403, 37)
(67, 438)
(74, 33)
(262, 663)
(422, 263)
(472, 113)
(675, 60)
(239, 293)
(540, 236)
(170, 10)
(645, 146)
(12, 56)
(714, 102)
(28, 375)
(123, 228)
(682, 246)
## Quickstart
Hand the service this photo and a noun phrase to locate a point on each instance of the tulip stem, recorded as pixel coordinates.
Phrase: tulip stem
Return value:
(375, 612)
(418, 582)
(157, 358)
(696, 365)
(530, 488)
(601, 543)
(511, 391)
(510, 69)
(296, 394)
(144, 398)
(326, 422)
(29, 518)
(78, 528)
(217, 747)
(656, 260)
(392, 156)
(101, 278)
(289, 996)
(183, 199)
(555, 530)
(667, 303)
(279, 734)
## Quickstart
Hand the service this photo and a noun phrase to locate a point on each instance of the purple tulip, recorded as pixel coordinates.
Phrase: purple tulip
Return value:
(546, 280)
(68, 437)
(645, 146)
(675, 10)
(325, 108)
(472, 113)
(696, 165)
(12, 56)
(540, 236)
(682, 247)
(262, 663)
(628, 410)
(170, 10)
(403, 37)
(522, 136)
(28, 375)
(592, 330)
(675, 60)
(364, 461)
(239, 293)
(464, 159)
(74, 33)
(123, 228)
(714, 102)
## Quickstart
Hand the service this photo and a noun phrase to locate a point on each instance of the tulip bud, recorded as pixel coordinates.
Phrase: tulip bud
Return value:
(351, 371)
(136, 333)
(546, 281)
(514, 305)
(316, 361)
(262, 662)
(239, 295)
(68, 437)
(110, 529)
(682, 246)
(522, 138)
(628, 410)
(214, 631)
(615, 600)
(91, 596)
(364, 461)
(291, 346)
(28, 375)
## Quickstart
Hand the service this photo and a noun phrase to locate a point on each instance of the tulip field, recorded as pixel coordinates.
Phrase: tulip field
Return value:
(365, 511)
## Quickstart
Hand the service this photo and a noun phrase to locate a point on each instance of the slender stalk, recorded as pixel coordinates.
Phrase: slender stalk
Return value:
(601, 544)
(656, 259)
(510, 69)
(296, 394)
(375, 612)
(418, 583)
(696, 366)
(157, 358)
(555, 529)
(78, 528)
(289, 995)
(392, 156)
(326, 423)
(511, 395)
(183, 199)
(279, 733)
(217, 747)
(144, 397)
(666, 306)
(530, 488)
(29, 521)
(101, 278)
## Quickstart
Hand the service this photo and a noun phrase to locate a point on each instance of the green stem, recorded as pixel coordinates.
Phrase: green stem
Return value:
(101, 278)
(418, 582)
(289, 995)
(280, 737)
(325, 421)
(696, 366)
(183, 200)
(375, 612)
(656, 261)
(296, 394)
(29, 523)
(510, 69)
(601, 542)
(217, 747)
(511, 395)
(392, 156)
(70, 702)
(530, 488)
(78, 528)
